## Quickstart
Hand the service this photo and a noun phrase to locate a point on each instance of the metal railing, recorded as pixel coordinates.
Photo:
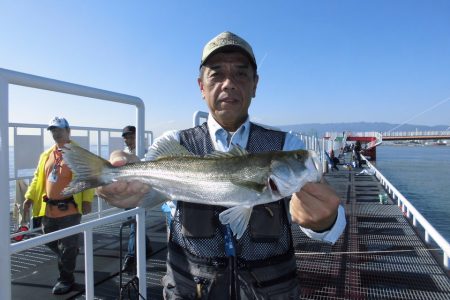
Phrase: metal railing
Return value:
(417, 219)
(8, 77)
(98, 147)
(87, 229)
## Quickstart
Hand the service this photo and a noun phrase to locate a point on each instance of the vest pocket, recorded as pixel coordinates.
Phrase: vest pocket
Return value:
(265, 222)
(197, 220)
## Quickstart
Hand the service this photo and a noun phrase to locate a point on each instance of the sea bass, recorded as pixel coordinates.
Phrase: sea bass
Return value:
(236, 179)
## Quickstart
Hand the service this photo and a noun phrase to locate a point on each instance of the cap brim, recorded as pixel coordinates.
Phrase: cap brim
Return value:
(53, 127)
(229, 48)
(128, 132)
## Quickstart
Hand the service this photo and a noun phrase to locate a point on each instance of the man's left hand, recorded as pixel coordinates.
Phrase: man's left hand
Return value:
(86, 207)
(315, 206)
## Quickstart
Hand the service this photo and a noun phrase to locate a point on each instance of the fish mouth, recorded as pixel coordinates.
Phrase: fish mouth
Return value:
(273, 188)
(314, 164)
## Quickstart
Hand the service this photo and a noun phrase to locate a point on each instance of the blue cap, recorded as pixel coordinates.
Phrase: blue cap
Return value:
(57, 122)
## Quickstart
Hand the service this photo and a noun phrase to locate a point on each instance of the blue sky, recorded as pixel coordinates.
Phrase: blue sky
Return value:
(319, 61)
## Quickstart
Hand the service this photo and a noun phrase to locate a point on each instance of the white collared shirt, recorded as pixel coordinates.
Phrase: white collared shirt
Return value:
(219, 137)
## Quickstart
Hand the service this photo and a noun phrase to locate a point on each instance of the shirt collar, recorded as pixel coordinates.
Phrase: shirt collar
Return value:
(219, 134)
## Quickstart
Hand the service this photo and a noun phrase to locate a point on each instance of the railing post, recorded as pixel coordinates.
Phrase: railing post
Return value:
(5, 273)
(446, 261)
(141, 255)
(88, 264)
(140, 130)
(427, 237)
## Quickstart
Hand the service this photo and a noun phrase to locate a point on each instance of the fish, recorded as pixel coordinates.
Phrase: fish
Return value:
(237, 179)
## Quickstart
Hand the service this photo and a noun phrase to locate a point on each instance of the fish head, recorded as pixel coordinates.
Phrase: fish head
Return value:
(290, 170)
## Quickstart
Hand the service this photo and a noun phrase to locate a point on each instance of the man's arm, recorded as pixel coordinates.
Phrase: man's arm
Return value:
(316, 207)
(128, 194)
(86, 207)
(122, 193)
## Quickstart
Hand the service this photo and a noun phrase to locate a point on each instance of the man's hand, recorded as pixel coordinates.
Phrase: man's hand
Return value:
(86, 207)
(26, 205)
(122, 193)
(315, 206)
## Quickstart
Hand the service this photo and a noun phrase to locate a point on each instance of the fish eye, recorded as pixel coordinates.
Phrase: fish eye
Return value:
(299, 156)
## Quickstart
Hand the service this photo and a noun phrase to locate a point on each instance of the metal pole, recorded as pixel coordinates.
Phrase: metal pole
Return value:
(88, 264)
(141, 255)
(5, 260)
(140, 130)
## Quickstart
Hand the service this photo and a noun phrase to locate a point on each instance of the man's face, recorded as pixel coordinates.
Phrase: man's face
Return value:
(228, 84)
(60, 135)
(130, 140)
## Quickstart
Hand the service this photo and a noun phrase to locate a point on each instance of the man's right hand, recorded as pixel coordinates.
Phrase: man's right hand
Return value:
(123, 194)
(27, 204)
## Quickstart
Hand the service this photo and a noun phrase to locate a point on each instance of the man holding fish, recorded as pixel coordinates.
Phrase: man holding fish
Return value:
(237, 248)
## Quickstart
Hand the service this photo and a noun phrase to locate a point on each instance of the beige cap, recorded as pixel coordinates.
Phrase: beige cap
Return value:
(224, 41)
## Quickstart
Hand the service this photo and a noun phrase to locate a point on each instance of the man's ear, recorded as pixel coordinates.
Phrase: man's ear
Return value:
(200, 85)
(256, 85)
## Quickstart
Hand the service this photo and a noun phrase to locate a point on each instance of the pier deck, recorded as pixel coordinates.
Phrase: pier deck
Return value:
(380, 256)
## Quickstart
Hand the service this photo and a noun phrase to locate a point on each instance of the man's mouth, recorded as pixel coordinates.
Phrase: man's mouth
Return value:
(228, 101)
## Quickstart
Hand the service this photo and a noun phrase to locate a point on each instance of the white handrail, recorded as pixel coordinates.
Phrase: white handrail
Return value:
(197, 116)
(8, 77)
(411, 211)
(87, 229)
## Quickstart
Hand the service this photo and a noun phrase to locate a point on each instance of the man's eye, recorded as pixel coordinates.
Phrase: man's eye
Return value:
(242, 74)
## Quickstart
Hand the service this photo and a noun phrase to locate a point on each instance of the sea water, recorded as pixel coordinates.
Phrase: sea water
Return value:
(422, 175)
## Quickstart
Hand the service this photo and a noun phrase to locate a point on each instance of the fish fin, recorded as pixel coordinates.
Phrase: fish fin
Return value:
(235, 151)
(251, 185)
(218, 154)
(237, 217)
(89, 169)
(238, 150)
(166, 146)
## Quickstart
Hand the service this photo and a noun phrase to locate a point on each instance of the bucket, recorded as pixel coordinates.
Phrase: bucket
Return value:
(383, 198)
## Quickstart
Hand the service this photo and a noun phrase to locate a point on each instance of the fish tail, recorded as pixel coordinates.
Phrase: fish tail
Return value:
(90, 170)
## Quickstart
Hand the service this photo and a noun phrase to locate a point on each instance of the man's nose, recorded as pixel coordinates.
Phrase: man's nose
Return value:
(229, 82)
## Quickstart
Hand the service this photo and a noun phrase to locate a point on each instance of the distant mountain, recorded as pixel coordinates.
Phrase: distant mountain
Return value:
(318, 129)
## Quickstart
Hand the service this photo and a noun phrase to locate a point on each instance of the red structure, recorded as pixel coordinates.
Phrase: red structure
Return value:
(368, 145)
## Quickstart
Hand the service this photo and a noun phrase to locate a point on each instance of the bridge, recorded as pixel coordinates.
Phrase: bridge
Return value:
(370, 140)
(416, 135)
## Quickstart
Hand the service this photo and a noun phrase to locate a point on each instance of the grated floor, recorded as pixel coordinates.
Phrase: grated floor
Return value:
(380, 256)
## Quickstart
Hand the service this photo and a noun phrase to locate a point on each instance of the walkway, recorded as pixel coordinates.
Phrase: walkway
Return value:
(380, 256)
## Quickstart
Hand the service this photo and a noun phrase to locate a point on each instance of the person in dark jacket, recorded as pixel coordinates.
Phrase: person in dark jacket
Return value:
(357, 153)
(129, 262)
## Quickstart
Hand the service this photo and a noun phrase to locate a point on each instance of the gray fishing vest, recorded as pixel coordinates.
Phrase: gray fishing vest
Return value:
(196, 230)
